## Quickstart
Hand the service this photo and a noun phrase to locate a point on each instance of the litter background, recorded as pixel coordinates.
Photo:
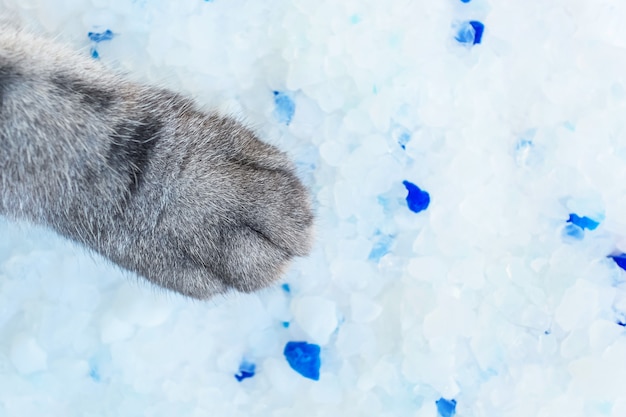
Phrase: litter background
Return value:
(468, 165)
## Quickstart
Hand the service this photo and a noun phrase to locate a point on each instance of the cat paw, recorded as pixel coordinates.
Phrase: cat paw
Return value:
(234, 214)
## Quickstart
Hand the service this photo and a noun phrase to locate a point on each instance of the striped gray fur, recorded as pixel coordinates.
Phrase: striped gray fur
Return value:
(191, 200)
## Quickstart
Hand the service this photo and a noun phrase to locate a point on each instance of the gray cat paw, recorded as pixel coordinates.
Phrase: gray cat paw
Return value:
(233, 211)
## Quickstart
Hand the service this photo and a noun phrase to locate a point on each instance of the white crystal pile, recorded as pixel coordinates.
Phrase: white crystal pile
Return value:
(498, 299)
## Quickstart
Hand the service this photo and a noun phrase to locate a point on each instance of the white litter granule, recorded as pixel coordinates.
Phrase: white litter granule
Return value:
(27, 356)
(467, 160)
